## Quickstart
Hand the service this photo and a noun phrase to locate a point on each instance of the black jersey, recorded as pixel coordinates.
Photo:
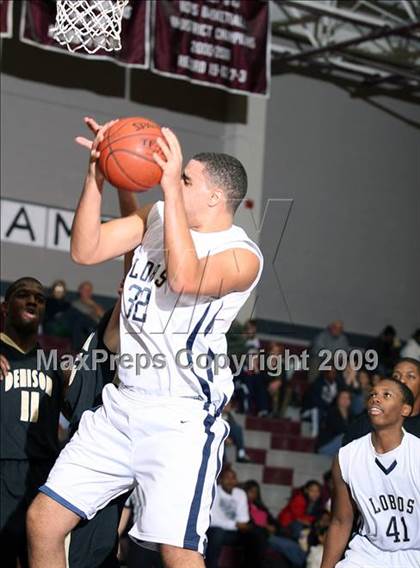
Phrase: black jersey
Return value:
(95, 369)
(94, 543)
(30, 403)
(362, 426)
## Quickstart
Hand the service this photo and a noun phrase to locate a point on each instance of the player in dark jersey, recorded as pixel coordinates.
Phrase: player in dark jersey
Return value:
(94, 543)
(30, 402)
(406, 371)
(31, 399)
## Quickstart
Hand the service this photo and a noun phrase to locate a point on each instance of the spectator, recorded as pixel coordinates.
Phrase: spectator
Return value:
(302, 510)
(336, 424)
(230, 523)
(276, 379)
(361, 389)
(86, 304)
(320, 396)
(259, 514)
(350, 377)
(57, 306)
(269, 528)
(236, 434)
(331, 339)
(387, 346)
(376, 378)
(250, 334)
(85, 313)
(412, 347)
(252, 387)
(236, 339)
(316, 551)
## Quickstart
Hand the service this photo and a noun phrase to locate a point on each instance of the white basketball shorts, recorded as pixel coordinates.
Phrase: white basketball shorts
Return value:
(363, 554)
(171, 448)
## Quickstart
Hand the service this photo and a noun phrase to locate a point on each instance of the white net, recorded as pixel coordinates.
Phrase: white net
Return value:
(89, 24)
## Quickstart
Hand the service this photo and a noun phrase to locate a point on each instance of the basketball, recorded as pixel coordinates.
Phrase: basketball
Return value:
(126, 154)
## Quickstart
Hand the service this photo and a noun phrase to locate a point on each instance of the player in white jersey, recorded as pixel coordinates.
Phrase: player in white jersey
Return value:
(379, 474)
(162, 429)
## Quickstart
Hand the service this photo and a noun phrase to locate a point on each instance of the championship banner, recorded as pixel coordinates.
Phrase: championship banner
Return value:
(6, 18)
(38, 19)
(220, 43)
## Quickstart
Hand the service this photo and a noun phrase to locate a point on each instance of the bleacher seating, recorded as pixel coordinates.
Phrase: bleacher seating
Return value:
(282, 458)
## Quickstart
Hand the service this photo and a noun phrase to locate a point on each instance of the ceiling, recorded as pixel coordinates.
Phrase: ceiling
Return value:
(370, 46)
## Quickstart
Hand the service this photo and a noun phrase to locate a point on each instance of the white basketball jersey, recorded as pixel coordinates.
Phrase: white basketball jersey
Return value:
(175, 338)
(386, 488)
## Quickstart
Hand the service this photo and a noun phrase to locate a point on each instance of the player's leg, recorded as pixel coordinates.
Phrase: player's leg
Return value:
(93, 469)
(19, 482)
(48, 523)
(13, 508)
(94, 543)
(176, 465)
(174, 557)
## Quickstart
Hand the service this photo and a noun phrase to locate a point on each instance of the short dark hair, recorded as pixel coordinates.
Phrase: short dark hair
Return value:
(408, 360)
(389, 330)
(15, 285)
(226, 172)
(311, 482)
(407, 395)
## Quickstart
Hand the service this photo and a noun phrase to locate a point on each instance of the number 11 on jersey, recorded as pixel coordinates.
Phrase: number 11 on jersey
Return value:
(29, 406)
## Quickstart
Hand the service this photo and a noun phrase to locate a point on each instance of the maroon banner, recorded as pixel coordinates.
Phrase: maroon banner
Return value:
(6, 18)
(222, 43)
(38, 18)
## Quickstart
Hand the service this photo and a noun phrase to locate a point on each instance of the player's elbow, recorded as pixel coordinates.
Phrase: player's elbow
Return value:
(342, 522)
(79, 257)
(183, 286)
(177, 285)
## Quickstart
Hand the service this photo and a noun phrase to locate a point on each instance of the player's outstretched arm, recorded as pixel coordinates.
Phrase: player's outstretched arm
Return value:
(91, 241)
(341, 522)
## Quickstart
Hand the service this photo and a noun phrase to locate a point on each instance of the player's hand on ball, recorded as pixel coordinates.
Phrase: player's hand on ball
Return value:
(94, 152)
(172, 166)
(93, 127)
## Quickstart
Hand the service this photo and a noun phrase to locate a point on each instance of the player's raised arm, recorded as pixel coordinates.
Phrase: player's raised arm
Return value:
(91, 241)
(341, 522)
(214, 275)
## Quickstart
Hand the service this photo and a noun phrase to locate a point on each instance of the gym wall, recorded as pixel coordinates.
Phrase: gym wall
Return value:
(350, 248)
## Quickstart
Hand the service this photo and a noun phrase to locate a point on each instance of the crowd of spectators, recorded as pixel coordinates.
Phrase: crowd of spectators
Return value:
(241, 521)
(331, 398)
(73, 320)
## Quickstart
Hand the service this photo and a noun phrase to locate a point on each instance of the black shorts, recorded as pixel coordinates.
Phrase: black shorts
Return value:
(94, 543)
(19, 482)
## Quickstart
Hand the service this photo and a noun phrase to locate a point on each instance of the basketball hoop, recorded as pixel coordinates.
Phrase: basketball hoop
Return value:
(89, 24)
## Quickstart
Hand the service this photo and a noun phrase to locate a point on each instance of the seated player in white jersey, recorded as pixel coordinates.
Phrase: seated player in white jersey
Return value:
(162, 429)
(379, 475)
